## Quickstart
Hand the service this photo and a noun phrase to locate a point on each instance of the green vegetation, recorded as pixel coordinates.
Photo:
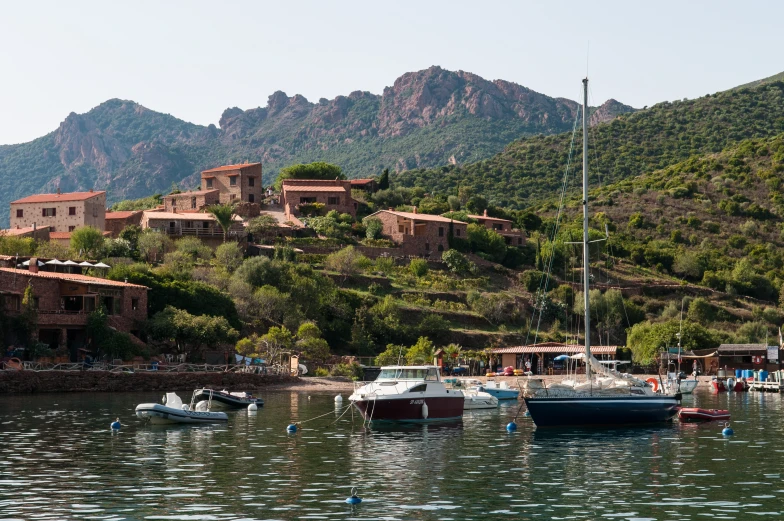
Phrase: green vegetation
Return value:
(317, 170)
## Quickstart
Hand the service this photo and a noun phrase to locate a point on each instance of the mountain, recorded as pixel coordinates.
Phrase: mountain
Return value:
(769, 79)
(427, 118)
(530, 170)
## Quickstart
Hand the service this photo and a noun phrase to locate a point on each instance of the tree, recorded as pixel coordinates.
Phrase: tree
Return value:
(347, 262)
(373, 227)
(392, 355)
(421, 353)
(454, 203)
(153, 245)
(383, 180)
(310, 343)
(191, 331)
(646, 339)
(87, 241)
(193, 248)
(117, 248)
(457, 262)
(482, 239)
(317, 170)
(10, 245)
(275, 342)
(418, 267)
(228, 256)
(262, 226)
(131, 233)
(224, 216)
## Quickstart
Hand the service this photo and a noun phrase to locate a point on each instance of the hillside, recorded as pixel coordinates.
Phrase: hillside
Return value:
(530, 170)
(769, 79)
(427, 118)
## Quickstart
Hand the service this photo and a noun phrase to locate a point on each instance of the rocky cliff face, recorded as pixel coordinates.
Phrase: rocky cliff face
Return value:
(426, 118)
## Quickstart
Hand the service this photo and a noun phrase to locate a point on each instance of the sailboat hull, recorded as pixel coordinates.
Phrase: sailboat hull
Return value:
(601, 410)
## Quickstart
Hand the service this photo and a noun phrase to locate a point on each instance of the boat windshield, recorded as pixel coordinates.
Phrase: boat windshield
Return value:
(408, 374)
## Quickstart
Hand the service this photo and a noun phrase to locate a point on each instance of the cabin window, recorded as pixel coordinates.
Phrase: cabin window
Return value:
(440, 231)
(418, 388)
(432, 375)
(232, 196)
(71, 210)
(20, 213)
(36, 302)
(49, 212)
(307, 200)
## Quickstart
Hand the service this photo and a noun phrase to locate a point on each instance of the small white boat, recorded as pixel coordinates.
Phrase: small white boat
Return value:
(173, 411)
(475, 399)
(226, 399)
(502, 391)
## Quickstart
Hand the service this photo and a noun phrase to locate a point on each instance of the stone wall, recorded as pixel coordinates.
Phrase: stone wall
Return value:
(103, 381)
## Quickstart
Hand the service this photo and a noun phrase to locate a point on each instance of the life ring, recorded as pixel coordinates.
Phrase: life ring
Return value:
(654, 383)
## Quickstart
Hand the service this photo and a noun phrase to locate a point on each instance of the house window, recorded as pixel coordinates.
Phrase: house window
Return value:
(233, 181)
(71, 210)
(232, 196)
(251, 199)
(36, 302)
(306, 200)
(20, 213)
(400, 228)
(95, 211)
(427, 246)
(52, 229)
(193, 202)
(457, 232)
(209, 183)
(251, 182)
(498, 227)
(440, 247)
(440, 231)
(71, 228)
(134, 304)
(49, 212)
(333, 200)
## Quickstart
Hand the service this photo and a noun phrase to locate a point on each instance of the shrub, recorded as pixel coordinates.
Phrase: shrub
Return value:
(458, 263)
(531, 280)
(311, 209)
(321, 371)
(352, 371)
(418, 267)
(373, 227)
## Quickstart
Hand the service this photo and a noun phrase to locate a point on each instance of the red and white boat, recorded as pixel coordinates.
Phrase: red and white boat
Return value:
(723, 385)
(408, 393)
(694, 414)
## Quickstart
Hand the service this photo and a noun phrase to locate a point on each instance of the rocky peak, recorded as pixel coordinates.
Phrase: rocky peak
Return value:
(608, 111)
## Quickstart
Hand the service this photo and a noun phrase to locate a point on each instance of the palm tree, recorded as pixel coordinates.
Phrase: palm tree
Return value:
(224, 215)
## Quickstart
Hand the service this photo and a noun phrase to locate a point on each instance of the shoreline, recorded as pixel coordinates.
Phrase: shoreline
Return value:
(29, 382)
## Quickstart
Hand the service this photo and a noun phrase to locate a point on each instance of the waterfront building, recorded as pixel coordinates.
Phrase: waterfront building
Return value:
(63, 301)
(60, 212)
(542, 355)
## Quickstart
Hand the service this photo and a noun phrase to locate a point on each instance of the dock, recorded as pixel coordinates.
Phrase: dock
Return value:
(766, 387)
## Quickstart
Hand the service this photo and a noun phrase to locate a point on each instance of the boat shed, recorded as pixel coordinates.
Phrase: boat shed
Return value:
(542, 355)
(749, 356)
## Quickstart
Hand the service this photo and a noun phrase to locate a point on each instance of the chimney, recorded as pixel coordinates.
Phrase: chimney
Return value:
(35, 227)
(90, 190)
(33, 267)
(391, 209)
(485, 214)
(414, 210)
(58, 190)
(17, 226)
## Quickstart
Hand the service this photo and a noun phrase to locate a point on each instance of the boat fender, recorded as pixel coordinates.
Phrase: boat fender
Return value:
(116, 424)
(253, 407)
(511, 426)
(424, 411)
(654, 383)
(727, 430)
(354, 499)
(292, 427)
(163, 401)
(338, 399)
(200, 406)
(730, 384)
(185, 407)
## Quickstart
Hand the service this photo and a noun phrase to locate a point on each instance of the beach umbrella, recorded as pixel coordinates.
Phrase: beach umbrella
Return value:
(27, 263)
(561, 358)
(85, 264)
(55, 262)
(70, 263)
(102, 265)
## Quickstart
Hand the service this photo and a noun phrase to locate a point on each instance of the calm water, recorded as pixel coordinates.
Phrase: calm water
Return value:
(59, 460)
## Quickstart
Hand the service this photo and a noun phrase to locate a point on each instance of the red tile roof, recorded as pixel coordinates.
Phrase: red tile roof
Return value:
(311, 188)
(486, 218)
(73, 277)
(553, 347)
(420, 216)
(21, 231)
(121, 215)
(361, 181)
(230, 167)
(53, 198)
(59, 235)
(195, 192)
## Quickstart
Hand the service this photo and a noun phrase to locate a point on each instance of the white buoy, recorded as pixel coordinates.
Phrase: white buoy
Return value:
(253, 407)
(338, 399)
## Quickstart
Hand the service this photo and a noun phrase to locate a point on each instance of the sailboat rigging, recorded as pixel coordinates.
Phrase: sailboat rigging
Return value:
(607, 397)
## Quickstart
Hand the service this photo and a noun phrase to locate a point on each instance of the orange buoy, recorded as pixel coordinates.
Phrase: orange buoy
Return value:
(654, 383)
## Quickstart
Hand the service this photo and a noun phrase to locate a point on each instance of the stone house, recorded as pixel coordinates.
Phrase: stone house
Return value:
(368, 185)
(503, 227)
(419, 234)
(118, 221)
(60, 212)
(194, 201)
(334, 195)
(201, 225)
(64, 300)
(38, 233)
(234, 183)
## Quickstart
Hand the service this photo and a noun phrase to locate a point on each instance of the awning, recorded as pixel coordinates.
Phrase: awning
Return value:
(559, 349)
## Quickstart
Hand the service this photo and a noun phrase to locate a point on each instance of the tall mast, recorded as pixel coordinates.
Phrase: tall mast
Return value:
(586, 292)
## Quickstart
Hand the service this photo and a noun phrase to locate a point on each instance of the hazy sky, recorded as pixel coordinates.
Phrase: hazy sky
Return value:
(194, 59)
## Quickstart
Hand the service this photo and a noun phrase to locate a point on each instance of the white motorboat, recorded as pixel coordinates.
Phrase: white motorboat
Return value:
(408, 393)
(226, 399)
(475, 399)
(173, 411)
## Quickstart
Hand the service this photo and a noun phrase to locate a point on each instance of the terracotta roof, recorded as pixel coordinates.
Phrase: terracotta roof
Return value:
(486, 218)
(184, 216)
(420, 216)
(85, 279)
(731, 348)
(21, 231)
(121, 215)
(59, 235)
(53, 198)
(312, 188)
(552, 347)
(195, 192)
(361, 181)
(230, 167)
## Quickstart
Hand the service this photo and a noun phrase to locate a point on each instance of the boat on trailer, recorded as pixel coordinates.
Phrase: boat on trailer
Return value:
(172, 410)
(226, 399)
(695, 414)
(408, 394)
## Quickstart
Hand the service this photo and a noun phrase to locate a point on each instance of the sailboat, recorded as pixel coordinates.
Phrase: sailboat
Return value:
(607, 397)
(674, 381)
